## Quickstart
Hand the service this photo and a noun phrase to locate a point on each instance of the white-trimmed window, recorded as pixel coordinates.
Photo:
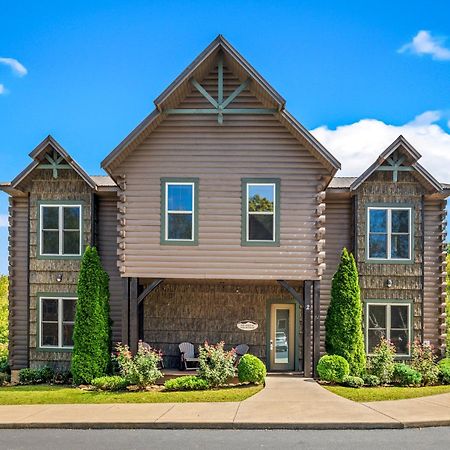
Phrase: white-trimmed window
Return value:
(261, 212)
(56, 320)
(389, 233)
(60, 230)
(391, 320)
(179, 211)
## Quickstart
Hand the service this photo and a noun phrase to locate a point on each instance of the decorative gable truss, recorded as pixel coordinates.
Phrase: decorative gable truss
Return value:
(395, 165)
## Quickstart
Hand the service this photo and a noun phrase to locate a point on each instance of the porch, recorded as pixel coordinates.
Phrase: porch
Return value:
(285, 315)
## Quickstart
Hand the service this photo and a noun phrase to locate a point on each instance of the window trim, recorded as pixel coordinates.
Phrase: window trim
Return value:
(39, 232)
(52, 296)
(245, 182)
(389, 303)
(389, 207)
(165, 182)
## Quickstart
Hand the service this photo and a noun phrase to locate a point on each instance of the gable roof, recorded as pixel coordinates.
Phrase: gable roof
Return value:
(36, 155)
(199, 68)
(413, 155)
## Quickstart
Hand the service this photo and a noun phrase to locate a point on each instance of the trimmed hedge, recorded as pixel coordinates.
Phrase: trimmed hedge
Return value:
(36, 376)
(405, 375)
(186, 383)
(353, 382)
(444, 370)
(343, 324)
(333, 368)
(371, 380)
(251, 370)
(112, 383)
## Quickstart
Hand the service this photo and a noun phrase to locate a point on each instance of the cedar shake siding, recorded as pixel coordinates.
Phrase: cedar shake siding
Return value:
(18, 282)
(195, 146)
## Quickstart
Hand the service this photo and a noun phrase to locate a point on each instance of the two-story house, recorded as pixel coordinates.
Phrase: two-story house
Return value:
(221, 219)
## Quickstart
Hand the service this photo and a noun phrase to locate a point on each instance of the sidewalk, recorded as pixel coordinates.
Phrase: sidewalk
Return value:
(286, 402)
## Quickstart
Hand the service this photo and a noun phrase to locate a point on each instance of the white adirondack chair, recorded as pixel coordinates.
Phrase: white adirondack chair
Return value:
(188, 361)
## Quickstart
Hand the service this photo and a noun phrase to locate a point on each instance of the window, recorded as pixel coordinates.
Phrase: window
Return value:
(391, 321)
(60, 230)
(261, 212)
(389, 233)
(179, 221)
(57, 316)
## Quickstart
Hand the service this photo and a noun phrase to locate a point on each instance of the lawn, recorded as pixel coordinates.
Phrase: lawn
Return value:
(374, 394)
(43, 394)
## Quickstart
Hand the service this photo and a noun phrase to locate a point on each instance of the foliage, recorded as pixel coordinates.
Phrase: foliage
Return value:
(111, 383)
(3, 323)
(142, 368)
(333, 368)
(405, 375)
(343, 324)
(45, 394)
(186, 383)
(4, 378)
(423, 360)
(382, 363)
(353, 382)
(444, 368)
(36, 376)
(91, 335)
(258, 203)
(63, 377)
(251, 369)
(371, 380)
(216, 365)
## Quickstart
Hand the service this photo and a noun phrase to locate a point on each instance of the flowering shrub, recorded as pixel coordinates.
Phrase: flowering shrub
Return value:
(382, 363)
(216, 365)
(423, 361)
(141, 369)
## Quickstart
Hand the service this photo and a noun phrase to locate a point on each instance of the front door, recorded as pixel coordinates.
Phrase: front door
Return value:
(282, 336)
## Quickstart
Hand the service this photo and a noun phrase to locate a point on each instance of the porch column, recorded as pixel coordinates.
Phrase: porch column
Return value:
(134, 312)
(316, 326)
(307, 328)
(126, 311)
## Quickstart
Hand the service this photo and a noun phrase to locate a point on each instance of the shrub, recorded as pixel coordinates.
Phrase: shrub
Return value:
(140, 370)
(90, 357)
(63, 377)
(405, 375)
(371, 380)
(186, 383)
(444, 368)
(343, 324)
(382, 363)
(251, 370)
(4, 378)
(4, 364)
(112, 383)
(216, 365)
(333, 368)
(36, 376)
(423, 361)
(353, 382)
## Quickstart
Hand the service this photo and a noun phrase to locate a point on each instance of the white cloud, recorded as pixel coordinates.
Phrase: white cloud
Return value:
(2, 89)
(424, 43)
(357, 145)
(17, 67)
(3, 220)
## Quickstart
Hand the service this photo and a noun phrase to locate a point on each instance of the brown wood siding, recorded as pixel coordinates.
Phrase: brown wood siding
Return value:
(433, 271)
(107, 247)
(406, 278)
(196, 146)
(18, 282)
(338, 235)
(67, 187)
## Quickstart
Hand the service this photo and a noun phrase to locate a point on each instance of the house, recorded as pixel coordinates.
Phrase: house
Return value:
(221, 218)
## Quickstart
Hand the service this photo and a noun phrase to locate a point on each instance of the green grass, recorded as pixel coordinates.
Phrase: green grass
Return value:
(374, 394)
(43, 394)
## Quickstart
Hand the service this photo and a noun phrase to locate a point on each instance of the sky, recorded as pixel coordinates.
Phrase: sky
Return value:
(357, 74)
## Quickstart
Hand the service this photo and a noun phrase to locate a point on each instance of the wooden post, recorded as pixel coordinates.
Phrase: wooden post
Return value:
(126, 311)
(134, 312)
(316, 326)
(307, 325)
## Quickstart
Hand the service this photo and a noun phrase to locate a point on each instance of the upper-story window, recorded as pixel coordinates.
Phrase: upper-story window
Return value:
(180, 211)
(261, 205)
(389, 233)
(60, 228)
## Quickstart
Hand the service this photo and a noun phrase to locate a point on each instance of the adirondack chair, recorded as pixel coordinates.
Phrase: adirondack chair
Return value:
(188, 361)
(240, 351)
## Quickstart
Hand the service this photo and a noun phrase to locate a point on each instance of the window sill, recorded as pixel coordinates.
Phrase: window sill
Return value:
(389, 261)
(53, 257)
(55, 349)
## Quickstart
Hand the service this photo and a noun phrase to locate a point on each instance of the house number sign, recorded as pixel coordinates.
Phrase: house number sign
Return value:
(247, 325)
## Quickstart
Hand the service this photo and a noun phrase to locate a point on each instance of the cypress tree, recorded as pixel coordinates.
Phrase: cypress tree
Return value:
(90, 357)
(343, 324)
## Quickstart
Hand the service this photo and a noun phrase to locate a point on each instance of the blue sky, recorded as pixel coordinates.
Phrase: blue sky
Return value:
(350, 71)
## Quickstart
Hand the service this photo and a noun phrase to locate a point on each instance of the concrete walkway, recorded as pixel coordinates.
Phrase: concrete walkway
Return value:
(286, 402)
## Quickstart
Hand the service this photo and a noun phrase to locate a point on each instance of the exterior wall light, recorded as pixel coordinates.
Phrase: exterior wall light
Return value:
(389, 283)
(59, 277)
